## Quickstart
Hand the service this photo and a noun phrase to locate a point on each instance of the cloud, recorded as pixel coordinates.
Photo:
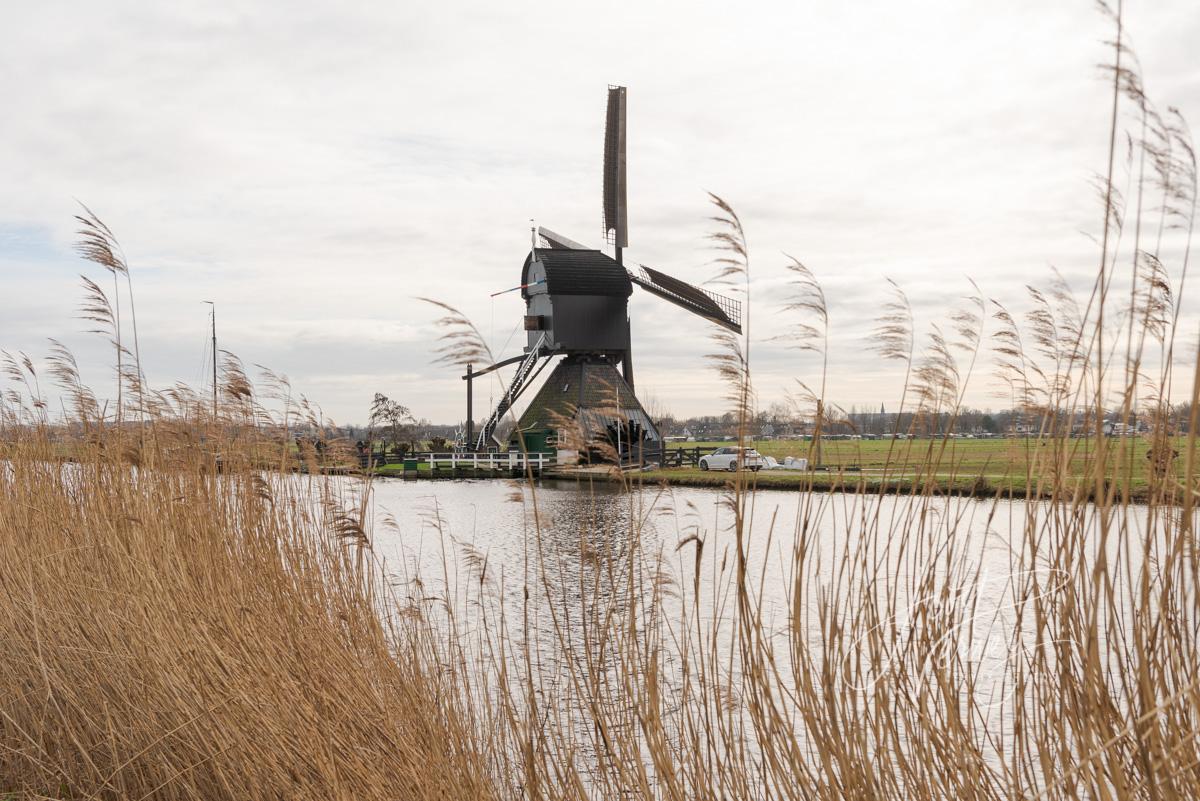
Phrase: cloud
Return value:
(313, 169)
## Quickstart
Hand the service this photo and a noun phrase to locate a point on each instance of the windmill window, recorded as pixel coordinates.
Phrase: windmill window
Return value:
(536, 322)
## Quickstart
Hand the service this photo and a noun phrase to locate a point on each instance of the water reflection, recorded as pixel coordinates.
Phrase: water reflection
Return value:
(558, 568)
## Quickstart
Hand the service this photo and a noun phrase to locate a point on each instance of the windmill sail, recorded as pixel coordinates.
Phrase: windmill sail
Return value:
(616, 214)
(558, 241)
(721, 310)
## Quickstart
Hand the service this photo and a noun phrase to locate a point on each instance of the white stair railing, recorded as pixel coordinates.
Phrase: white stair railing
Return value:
(510, 394)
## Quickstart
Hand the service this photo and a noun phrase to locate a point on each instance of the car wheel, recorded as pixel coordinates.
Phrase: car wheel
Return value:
(703, 465)
(733, 467)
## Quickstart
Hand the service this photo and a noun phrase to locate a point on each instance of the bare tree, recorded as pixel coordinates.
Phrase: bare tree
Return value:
(395, 418)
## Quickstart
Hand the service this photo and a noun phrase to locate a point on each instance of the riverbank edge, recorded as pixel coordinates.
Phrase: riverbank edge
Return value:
(978, 487)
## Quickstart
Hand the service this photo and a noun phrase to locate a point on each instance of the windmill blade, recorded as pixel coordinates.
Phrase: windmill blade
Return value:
(558, 241)
(721, 310)
(616, 214)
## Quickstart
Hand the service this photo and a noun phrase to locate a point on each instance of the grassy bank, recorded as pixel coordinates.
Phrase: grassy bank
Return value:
(894, 482)
(1000, 461)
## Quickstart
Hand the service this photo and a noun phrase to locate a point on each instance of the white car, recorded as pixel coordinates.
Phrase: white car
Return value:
(731, 459)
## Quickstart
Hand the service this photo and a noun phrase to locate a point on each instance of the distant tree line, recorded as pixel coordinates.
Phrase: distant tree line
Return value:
(782, 421)
(391, 425)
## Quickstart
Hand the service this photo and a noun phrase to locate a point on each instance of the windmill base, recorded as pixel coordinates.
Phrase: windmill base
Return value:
(587, 412)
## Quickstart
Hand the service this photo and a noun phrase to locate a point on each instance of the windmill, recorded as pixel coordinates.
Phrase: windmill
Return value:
(577, 308)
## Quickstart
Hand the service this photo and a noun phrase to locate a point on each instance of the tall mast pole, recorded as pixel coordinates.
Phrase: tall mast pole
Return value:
(214, 344)
(214, 357)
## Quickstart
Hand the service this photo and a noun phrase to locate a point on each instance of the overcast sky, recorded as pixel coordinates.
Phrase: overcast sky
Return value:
(314, 167)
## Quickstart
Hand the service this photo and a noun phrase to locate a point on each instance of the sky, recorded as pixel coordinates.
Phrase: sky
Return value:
(315, 168)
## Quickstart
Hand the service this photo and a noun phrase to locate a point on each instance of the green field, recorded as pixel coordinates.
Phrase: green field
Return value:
(1001, 462)
(1021, 467)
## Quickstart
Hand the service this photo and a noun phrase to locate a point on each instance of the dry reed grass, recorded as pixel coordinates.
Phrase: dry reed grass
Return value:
(173, 630)
(874, 686)
(178, 623)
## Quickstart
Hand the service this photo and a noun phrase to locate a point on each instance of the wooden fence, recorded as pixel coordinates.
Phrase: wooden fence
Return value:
(678, 457)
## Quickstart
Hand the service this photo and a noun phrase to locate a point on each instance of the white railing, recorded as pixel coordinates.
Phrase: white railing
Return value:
(506, 400)
(513, 460)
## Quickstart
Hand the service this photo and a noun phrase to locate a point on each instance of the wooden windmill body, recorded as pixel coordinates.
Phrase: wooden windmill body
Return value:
(577, 314)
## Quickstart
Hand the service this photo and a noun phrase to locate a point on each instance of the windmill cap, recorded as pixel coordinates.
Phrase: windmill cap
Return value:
(579, 272)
